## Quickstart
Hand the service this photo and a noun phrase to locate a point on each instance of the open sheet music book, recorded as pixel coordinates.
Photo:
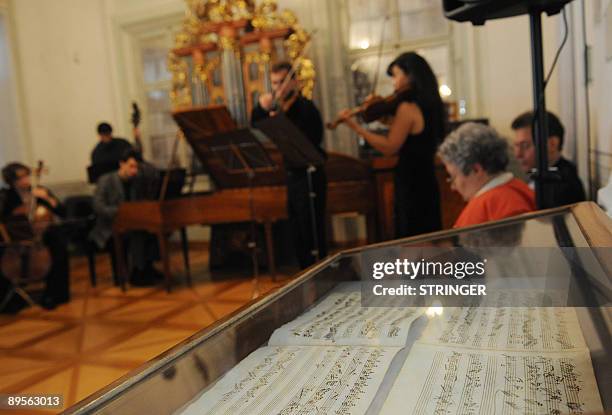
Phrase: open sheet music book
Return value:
(455, 380)
(341, 358)
(331, 359)
(505, 360)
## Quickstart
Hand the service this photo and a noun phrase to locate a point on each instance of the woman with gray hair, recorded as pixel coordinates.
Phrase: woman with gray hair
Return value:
(476, 158)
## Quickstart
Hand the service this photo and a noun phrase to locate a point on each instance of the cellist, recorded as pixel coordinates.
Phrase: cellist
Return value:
(417, 127)
(16, 199)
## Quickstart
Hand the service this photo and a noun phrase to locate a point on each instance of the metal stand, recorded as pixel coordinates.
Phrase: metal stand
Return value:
(313, 217)
(540, 130)
(250, 174)
(253, 243)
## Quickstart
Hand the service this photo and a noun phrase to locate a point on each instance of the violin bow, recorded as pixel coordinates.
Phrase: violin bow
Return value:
(296, 61)
(37, 172)
(380, 48)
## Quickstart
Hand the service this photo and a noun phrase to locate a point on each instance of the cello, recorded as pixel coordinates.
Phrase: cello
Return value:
(25, 257)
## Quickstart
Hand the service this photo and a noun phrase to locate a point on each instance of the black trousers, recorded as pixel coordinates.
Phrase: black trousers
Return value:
(140, 251)
(300, 215)
(416, 205)
(58, 278)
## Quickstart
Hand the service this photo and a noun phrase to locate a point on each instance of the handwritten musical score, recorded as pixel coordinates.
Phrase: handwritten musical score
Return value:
(299, 380)
(339, 319)
(338, 357)
(445, 380)
(507, 328)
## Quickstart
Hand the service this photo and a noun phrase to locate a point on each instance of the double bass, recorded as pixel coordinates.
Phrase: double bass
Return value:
(26, 258)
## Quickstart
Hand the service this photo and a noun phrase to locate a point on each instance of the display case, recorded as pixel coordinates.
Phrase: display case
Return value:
(581, 235)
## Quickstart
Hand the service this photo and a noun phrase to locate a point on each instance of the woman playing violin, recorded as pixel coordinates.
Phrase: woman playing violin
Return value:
(417, 126)
(14, 208)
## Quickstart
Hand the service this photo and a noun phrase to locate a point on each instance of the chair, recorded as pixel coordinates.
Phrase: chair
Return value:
(16, 285)
(81, 219)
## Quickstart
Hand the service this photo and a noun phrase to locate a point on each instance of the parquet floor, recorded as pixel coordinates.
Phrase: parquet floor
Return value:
(104, 333)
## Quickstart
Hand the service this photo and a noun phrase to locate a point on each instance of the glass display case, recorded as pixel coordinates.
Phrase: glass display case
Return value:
(576, 241)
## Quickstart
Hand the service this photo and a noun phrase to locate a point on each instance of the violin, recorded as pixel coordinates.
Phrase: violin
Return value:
(282, 104)
(26, 258)
(375, 108)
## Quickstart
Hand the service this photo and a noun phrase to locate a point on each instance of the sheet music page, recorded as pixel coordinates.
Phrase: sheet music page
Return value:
(339, 319)
(445, 380)
(305, 380)
(507, 328)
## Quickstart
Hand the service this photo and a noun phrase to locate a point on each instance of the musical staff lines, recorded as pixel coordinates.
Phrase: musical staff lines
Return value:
(507, 328)
(299, 380)
(441, 380)
(340, 320)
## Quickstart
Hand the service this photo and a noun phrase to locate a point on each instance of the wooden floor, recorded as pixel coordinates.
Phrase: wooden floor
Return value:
(104, 333)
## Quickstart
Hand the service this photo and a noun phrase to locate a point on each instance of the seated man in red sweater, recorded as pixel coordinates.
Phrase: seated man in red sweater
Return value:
(476, 157)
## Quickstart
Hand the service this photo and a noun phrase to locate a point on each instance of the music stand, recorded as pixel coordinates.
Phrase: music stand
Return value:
(239, 151)
(298, 152)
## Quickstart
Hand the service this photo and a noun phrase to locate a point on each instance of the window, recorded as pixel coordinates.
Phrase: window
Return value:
(417, 25)
(160, 127)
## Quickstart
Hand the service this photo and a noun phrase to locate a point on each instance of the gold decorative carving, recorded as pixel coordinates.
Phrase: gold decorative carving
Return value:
(222, 22)
(218, 11)
(180, 95)
(295, 45)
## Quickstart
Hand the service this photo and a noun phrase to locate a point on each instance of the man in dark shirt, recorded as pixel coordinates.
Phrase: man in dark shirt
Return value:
(14, 202)
(109, 149)
(567, 187)
(303, 113)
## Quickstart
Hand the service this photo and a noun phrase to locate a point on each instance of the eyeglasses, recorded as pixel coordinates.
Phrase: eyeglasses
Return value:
(523, 146)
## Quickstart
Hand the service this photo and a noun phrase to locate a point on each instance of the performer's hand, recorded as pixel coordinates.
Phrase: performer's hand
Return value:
(40, 193)
(266, 101)
(43, 194)
(386, 120)
(346, 115)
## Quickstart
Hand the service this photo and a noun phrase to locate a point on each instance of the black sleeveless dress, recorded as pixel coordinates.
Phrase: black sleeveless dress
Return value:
(417, 197)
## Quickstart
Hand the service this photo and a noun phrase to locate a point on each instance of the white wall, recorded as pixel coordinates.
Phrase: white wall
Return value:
(65, 80)
(13, 141)
(504, 64)
(599, 22)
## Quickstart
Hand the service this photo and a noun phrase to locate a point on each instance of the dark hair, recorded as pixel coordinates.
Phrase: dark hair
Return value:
(425, 87)
(555, 128)
(129, 153)
(105, 128)
(9, 172)
(282, 66)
